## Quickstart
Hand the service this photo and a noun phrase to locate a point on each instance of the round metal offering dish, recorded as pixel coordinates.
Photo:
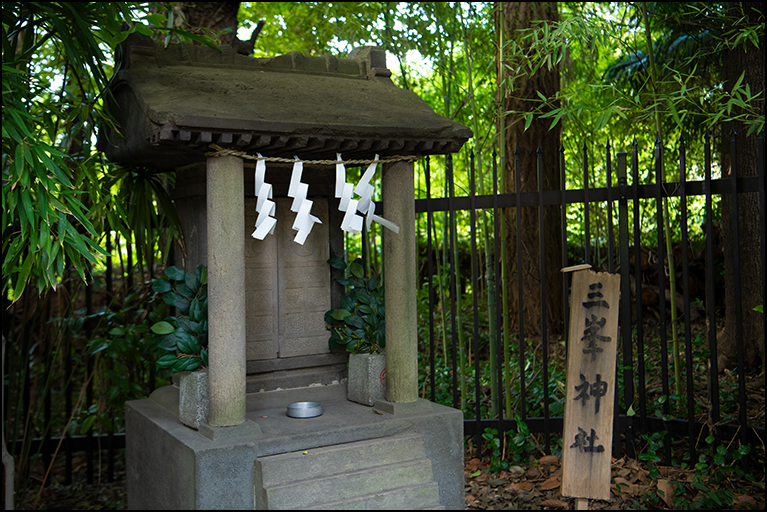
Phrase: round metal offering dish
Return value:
(305, 409)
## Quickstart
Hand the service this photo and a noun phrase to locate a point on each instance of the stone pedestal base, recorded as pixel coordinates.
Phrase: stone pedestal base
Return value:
(172, 466)
(193, 401)
(367, 378)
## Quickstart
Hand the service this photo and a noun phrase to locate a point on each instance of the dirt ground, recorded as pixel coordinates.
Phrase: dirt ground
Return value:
(538, 485)
(535, 485)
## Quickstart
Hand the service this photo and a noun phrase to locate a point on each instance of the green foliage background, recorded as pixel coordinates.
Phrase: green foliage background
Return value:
(60, 196)
(62, 201)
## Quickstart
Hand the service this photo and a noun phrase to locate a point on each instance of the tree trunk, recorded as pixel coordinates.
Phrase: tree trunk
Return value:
(516, 16)
(750, 283)
(206, 17)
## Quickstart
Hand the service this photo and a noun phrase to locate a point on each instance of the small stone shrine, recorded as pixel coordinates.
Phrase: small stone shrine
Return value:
(266, 228)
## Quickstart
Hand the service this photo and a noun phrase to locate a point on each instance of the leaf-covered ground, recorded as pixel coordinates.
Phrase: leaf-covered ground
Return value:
(538, 486)
(99, 495)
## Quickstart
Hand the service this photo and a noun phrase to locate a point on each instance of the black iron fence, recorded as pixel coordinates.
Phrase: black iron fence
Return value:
(642, 410)
(60, 390)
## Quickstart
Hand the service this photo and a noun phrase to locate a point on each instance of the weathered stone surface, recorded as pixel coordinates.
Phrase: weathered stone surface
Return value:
(288, 286)
(172, 102)
(401, 285)
(193, 400)
(226, 290)
(381, 474)
(269, 289)
(171, 466)
(367, 378)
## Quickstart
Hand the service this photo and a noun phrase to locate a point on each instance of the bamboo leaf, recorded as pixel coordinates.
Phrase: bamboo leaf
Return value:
(528, 120)
(21, 281)
(77, 211)
(52, 167)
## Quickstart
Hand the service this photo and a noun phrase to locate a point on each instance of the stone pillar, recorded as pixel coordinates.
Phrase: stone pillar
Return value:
(400, 285)
(226, 291)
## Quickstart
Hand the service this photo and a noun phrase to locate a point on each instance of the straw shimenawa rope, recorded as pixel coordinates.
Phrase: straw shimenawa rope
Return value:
(231, 152)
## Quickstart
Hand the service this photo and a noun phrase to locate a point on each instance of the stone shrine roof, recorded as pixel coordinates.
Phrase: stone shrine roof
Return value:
(173, 102)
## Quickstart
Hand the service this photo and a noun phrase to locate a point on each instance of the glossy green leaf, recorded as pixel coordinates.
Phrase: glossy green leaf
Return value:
(169, 342)
(348, 301)
(362, 296)
(186, 341)
(170, 298)
(356, 270)
(161, 286)
(182, 304)
(167, 361)
(192, 283)
(194, 346)
(337, 263)
(184, 290)
(340, 314)
(195, 311)
(87, 424)
(162, 328)
(354, 321)
(175, 273)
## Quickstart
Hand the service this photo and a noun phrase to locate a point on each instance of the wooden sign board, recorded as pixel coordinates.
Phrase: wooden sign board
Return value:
(589, 402)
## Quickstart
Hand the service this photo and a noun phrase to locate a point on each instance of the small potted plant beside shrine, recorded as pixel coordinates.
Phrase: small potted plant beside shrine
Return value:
(358, 327)
(185, 338)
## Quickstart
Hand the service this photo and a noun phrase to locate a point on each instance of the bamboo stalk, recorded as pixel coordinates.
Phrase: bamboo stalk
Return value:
(666, 227)
(502, 187)
(488, 260)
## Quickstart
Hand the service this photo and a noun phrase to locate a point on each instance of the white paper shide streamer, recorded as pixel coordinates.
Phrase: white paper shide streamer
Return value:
(357, 210)
(352, 221)
(303, 206)
(265, 207)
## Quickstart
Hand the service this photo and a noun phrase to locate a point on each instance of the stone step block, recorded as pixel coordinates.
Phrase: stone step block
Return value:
(413, 497)
(285, 468)
(347, 486)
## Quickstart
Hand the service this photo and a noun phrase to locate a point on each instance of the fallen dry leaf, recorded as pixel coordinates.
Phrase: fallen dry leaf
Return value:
(555, 504)
(667, 470)
(533, 472)
(623, 487)
(548, 459)
(642, 476)
(473, 464)
(668, 492)
(516, 470)
(521, 486)
(744, 501)
(551, 483)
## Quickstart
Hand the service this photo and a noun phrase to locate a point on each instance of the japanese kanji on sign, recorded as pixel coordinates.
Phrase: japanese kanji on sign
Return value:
(593, 339)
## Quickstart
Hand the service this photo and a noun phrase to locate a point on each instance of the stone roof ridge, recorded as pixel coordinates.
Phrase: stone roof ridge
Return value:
(365, 63)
